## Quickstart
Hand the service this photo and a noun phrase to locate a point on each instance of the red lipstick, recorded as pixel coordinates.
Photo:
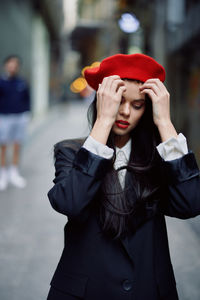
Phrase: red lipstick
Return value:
(122, 124)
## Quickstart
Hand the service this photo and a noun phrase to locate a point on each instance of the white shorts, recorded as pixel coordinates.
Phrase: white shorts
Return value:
(13, 127)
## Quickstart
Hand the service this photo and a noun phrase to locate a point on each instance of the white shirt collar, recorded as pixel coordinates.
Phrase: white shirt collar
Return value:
(126, 149)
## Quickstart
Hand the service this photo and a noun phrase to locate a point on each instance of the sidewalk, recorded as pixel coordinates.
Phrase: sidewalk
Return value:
(31, 239)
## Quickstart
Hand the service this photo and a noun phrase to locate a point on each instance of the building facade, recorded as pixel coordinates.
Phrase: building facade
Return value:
(32, 30)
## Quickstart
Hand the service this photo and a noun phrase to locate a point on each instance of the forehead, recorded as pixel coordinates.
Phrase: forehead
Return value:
(13, 60)
(132, 89)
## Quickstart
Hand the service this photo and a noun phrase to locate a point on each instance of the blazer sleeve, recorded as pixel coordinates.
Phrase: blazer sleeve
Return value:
(78, 176)
(181, 197)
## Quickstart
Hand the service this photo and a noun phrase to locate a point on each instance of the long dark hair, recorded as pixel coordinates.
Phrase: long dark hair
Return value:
(116, 208)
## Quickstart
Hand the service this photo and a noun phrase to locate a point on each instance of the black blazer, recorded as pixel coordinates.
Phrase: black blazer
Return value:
(137, 266)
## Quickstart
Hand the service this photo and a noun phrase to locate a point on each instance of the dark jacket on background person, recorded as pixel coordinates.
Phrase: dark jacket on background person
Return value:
(14, 95)
(136, 266)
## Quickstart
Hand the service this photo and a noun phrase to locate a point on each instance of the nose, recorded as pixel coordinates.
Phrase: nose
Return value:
(125, 109)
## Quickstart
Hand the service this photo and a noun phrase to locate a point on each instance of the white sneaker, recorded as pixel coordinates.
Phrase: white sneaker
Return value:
(15, 178)
(3, 179)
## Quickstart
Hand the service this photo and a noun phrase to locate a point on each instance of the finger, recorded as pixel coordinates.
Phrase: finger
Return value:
(110, 77)
(111, 80)
(106, 83)
(103, 86)
(158, 82)
(120, 91)
(149, 92)
(105, 79)
(116, 84)
(152, 86)
(99, 87)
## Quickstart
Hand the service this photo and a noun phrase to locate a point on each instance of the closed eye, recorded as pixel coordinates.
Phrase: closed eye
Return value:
(137, 104)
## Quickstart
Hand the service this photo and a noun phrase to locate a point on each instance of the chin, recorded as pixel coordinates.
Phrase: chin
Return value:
(121, 132)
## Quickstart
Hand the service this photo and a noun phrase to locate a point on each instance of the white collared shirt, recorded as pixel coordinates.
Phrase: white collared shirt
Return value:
(171, 149)
(122, 158)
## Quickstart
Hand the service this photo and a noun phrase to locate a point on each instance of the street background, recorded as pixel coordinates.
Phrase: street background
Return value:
(56, 40)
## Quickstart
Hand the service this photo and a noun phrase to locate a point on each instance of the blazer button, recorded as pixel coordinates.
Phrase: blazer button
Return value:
(127, 285)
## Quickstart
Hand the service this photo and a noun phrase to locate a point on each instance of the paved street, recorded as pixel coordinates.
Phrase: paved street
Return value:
(31, 237)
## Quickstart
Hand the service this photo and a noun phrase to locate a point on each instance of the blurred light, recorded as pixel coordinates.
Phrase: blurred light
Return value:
(128, 23)
(73, 89)
(95, 64)
(78, 85)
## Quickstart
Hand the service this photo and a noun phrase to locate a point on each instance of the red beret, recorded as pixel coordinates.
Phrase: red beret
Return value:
(131, 66)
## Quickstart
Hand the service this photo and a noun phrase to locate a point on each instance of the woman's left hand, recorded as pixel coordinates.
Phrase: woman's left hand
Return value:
(160, 98)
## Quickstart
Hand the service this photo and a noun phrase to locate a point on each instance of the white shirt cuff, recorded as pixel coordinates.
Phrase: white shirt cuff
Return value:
(98, 148)
(173, 148)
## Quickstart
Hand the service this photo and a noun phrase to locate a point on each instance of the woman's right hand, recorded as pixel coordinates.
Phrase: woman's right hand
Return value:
(109, 96)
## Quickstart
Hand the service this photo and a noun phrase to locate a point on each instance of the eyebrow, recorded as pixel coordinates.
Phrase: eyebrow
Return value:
(138, 100)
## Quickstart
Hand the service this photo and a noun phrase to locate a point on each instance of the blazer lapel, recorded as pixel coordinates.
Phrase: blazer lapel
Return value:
(126, 246)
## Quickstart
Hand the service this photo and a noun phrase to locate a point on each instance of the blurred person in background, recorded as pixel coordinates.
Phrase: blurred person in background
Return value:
(14, 117)
(116, 186)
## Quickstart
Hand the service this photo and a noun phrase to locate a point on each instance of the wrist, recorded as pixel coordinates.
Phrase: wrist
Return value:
(104, 122)
(164, 123)
(101, 130)
(166, 130)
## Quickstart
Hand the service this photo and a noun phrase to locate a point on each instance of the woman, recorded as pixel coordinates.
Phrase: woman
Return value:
(116, 186)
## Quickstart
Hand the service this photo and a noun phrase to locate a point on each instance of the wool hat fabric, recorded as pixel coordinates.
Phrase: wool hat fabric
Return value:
(131, 66)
